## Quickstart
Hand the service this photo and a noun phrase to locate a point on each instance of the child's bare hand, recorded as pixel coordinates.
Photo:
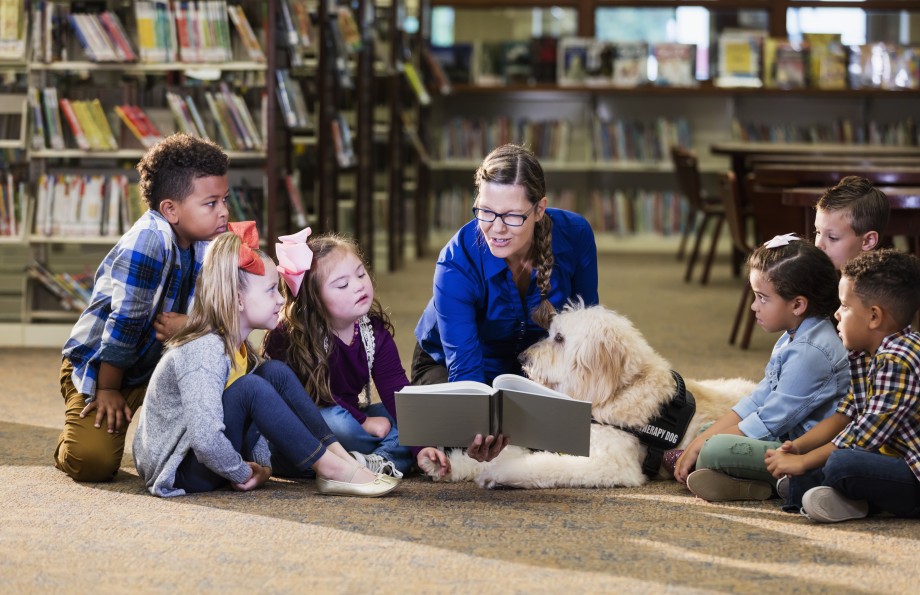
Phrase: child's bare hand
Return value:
(687, 461)
(790, 447)
(377, 426)
(110, 405)
(168, 324)
(433, 462)
(259, 476)
(781, 463)
(486, 449)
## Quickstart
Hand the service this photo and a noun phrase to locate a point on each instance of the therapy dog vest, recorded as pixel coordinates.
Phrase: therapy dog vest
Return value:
(667, 430)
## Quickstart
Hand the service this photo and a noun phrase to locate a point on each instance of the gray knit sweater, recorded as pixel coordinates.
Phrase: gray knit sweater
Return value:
(183, 411)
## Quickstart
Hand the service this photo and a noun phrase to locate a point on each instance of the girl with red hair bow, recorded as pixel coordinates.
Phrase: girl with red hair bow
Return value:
(212, 407)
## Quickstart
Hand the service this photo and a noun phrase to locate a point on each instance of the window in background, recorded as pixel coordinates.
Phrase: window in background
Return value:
(457, 25)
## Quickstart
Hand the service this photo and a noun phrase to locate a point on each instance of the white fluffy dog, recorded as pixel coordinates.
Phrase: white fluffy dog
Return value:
(594, 354)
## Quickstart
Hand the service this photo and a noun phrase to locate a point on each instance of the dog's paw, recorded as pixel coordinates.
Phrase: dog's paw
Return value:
(486, 481)
(434, 470)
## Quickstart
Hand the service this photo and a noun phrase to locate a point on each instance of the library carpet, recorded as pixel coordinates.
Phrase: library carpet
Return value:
(58, 535)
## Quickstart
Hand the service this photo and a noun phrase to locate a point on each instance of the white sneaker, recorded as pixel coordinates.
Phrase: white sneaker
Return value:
(824, 504)
(377, 464)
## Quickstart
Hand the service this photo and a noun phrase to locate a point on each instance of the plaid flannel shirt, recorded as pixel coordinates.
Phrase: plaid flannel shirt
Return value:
(884, 400)
(139, 278)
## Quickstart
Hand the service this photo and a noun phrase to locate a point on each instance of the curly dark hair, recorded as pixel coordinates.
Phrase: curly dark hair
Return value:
(169, 167)
(866, 205)
(800, 269)
(887, 278)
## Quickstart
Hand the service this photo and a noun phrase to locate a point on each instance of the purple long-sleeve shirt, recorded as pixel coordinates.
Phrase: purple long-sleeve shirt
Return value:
(348, 373)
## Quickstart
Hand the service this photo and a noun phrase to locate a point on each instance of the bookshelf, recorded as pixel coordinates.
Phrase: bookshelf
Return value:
(482, 110)
(130, 73)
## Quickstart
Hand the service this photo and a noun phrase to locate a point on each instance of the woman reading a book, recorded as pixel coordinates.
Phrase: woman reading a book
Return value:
(501, 278)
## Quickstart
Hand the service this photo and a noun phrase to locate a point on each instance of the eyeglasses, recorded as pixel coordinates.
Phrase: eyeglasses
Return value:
(509, 219)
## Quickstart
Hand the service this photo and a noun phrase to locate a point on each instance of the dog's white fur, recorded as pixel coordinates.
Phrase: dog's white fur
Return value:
(594, 354)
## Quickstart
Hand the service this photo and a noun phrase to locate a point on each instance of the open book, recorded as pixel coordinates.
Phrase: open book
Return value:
(531, 415)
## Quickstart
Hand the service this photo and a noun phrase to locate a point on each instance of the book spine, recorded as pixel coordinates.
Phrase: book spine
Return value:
(78, 134)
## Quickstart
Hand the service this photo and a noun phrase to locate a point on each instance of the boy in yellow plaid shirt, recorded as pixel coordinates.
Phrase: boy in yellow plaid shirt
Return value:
(866, 457)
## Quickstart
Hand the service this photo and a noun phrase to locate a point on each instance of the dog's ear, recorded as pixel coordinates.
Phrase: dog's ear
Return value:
(599, 354)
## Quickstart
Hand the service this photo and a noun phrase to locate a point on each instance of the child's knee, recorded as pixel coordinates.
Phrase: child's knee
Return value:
(716, 452)
(88, 463)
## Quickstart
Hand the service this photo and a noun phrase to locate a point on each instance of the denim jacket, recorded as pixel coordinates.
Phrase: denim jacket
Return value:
(803, 382)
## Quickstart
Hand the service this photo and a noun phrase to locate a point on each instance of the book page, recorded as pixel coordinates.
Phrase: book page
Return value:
(526, 385)
(442, 419)
(555, 424)
(461, 386)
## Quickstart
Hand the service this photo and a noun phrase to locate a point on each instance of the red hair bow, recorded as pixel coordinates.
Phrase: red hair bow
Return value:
(249, 260)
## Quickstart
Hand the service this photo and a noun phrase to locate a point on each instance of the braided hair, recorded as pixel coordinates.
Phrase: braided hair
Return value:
(515, 165)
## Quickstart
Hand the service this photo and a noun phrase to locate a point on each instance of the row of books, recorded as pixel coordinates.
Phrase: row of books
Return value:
(748, 58)
(297, 30)
(900, 133)
(292, 102)
(12, 200)
(471, 138)
(636, 211)
(88, 125)
(74, 291)
(639, 140)
(85, 205)
(192, 31)
(98, 205)
(567, 61)
(235, 126)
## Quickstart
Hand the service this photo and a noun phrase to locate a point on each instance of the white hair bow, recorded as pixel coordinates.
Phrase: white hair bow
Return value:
(782, 240)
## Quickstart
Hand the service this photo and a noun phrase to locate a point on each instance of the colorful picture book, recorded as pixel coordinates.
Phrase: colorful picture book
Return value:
(630, 64)
(827, 60)
(676, 64)
(573, 60)
(784, 64)
(740, 58)
(452, 414)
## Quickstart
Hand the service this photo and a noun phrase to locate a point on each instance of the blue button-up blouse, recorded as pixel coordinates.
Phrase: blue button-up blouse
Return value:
(476, 322)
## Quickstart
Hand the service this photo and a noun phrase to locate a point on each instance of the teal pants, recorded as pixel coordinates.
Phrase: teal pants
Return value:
(738, 456)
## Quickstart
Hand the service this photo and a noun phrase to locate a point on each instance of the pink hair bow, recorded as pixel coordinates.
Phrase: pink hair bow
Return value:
(249, 261)
(294, 258)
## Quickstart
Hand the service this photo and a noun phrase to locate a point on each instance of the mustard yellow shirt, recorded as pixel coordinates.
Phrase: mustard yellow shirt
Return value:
(240, 366)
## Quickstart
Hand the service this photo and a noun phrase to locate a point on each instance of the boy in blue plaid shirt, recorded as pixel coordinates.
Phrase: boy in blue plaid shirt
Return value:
(141, 293)
(866, 456)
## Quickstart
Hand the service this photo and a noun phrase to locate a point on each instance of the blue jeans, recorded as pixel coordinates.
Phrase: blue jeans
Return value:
(353, 437)
(270, 401)
(886, 483)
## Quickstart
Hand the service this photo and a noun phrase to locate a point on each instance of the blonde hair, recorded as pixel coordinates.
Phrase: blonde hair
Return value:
(514, 165)
(309, 325)
(217, 294)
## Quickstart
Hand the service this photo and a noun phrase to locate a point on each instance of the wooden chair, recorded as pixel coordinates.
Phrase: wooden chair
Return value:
(686, 166)
(737, 219)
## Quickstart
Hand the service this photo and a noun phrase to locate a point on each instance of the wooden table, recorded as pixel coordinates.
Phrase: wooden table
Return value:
(904, 201)
(741, 152)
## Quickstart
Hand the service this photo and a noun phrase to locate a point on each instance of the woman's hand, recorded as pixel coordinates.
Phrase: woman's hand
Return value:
(486, 449)
(377, 426)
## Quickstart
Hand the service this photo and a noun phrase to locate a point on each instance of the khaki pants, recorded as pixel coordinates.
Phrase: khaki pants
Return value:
(85, 452)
